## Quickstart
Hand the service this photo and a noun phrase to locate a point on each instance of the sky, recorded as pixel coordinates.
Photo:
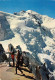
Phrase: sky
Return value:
(43, 7)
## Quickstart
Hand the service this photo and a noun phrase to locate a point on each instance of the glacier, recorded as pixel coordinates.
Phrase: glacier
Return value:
(35, 34)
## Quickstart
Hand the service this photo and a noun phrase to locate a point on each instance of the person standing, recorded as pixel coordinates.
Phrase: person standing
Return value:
(18, 61)
(11, 54)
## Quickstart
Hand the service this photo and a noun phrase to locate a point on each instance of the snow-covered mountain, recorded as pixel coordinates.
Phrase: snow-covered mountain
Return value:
(35, 33)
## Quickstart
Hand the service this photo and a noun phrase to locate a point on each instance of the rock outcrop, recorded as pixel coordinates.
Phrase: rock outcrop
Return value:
(3, 56)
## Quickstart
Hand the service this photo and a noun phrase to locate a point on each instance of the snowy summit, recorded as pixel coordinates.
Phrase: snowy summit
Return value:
(35, 34)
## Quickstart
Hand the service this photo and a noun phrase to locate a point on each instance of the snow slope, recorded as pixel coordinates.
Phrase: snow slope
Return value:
(35, 33)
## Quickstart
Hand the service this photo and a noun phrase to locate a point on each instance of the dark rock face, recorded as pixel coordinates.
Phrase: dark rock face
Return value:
(15, 13)
(5, 31)
(3, 56)
(2, 32)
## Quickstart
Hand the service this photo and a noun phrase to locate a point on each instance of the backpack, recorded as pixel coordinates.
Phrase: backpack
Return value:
(19, 58)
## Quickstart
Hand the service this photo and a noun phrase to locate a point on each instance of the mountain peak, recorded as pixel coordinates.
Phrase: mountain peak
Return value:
(35, 34)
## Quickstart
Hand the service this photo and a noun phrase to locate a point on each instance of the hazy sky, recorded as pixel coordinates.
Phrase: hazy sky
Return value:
(45, 7)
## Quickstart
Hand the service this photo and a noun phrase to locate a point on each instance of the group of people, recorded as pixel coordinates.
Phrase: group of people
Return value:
(18, 57)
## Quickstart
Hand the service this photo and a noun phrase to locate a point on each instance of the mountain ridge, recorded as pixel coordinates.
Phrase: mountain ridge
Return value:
(35, 33)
